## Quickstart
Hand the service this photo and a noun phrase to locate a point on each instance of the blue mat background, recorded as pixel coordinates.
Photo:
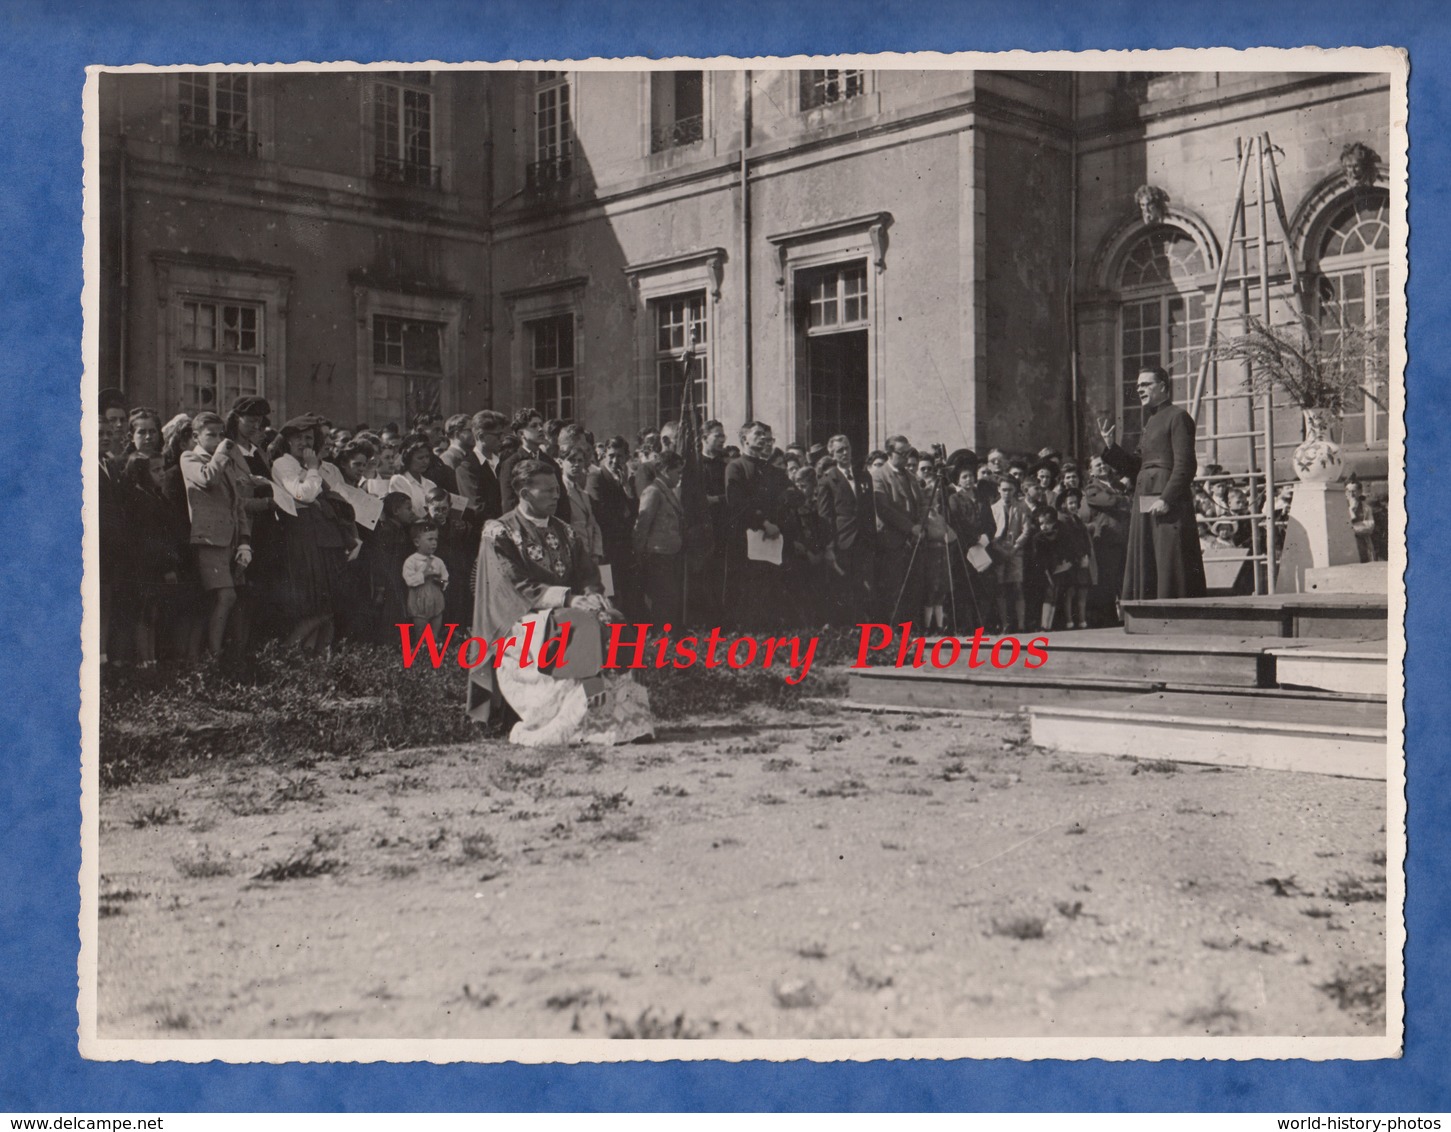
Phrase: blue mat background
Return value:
(44, 48)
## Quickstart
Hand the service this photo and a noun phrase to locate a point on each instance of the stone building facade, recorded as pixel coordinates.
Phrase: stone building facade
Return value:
(319, 238)
(955, 255)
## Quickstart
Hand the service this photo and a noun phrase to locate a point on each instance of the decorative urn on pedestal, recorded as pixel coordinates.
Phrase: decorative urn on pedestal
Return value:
(1317, 459)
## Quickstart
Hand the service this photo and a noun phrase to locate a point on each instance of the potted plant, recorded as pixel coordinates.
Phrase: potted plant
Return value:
(1323, 367)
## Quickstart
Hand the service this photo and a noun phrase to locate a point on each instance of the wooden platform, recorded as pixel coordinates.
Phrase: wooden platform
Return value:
(1326, 615)
(1271, 732)
(1339, 666)
(1275, 701)
(1353, 578)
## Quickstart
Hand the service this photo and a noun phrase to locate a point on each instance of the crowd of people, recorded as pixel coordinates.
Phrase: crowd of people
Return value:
(217, 532)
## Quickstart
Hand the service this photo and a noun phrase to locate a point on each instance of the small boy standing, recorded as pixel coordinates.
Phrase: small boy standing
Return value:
(426, 577)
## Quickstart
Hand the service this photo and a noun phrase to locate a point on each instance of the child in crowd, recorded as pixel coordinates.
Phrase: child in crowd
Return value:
(386, 551)
(1053, 561)
(939, 541)
(1079, 547)
(1014, 529)
(1362, 519)
(808, 553)
(155, 561)
(458, 546)
(426, 577)
(217, 485)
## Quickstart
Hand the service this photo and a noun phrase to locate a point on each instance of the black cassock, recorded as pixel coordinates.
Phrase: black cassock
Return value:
(1163, 559)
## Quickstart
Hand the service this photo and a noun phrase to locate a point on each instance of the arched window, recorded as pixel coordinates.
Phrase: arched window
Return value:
(1161, 317)
(1353, 294)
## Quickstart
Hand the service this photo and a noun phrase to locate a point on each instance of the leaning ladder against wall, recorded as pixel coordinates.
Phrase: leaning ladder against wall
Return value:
(1248, 230)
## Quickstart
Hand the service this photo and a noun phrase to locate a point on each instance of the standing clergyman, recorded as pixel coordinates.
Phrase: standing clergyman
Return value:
(1163, 556)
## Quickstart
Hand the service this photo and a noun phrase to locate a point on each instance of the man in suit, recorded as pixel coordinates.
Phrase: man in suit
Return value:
(755, 501)
(114, 535)
(460, 458)
(845, 499)
(901, 509)
(488, 428)
(706, 593)
(614, 511)
(529, 427)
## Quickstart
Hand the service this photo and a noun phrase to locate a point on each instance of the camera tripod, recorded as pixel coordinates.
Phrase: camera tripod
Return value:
(940, 497)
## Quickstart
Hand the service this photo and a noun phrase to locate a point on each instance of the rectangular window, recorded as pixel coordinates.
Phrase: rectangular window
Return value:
(220, 352)
(836, 299)
(215, 112)
(551, 364)
(1359, 301)
(681, 336)
(553, 131)
(408, 369)
(403, 134)
(677, 109)
(1168, 331)
(821, 88)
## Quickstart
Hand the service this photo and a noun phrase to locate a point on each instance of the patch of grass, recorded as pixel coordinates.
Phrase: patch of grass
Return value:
(246, 803)
(301, 789)
(1354, 890)
(1218, 1017)
(1360, 991)
(603, 804)
(112, 903)
(777, 766)
(769, 800)
(309, 862)
(812, 951)
(202, 865)
(867, 981)
(650, 1025)
(901, 760)
(1020, 927)
(483, 999)
(270, 710)
(846, 788)
(405, 783)
(574, 999)
(665, 790)
(397, 870)
(155, 815)
(478, 847)
(1156, 766)
(762, 746)
(169, 1018)
(955, 771)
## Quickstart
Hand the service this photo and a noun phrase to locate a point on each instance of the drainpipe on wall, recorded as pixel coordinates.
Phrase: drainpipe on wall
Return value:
(1072, 297)
(124, 251)
(488, 190)
(746, 244)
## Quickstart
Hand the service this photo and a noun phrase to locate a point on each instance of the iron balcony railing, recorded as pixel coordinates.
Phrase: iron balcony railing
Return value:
(549, 171)
(219, 138)
(672, 135)
(402, 172)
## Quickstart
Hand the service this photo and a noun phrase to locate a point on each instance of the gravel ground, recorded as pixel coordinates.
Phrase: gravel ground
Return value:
(814, 873)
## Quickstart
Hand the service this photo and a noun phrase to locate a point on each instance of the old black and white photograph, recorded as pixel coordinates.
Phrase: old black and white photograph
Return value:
(838, 558)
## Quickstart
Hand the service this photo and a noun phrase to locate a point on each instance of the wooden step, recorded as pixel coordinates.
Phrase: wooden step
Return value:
(1355, 666)
(1337, 737)
(1353, 578)
(892, 687)
(1334, 615)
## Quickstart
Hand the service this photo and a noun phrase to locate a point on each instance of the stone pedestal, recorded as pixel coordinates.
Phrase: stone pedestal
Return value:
(1318, 535)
